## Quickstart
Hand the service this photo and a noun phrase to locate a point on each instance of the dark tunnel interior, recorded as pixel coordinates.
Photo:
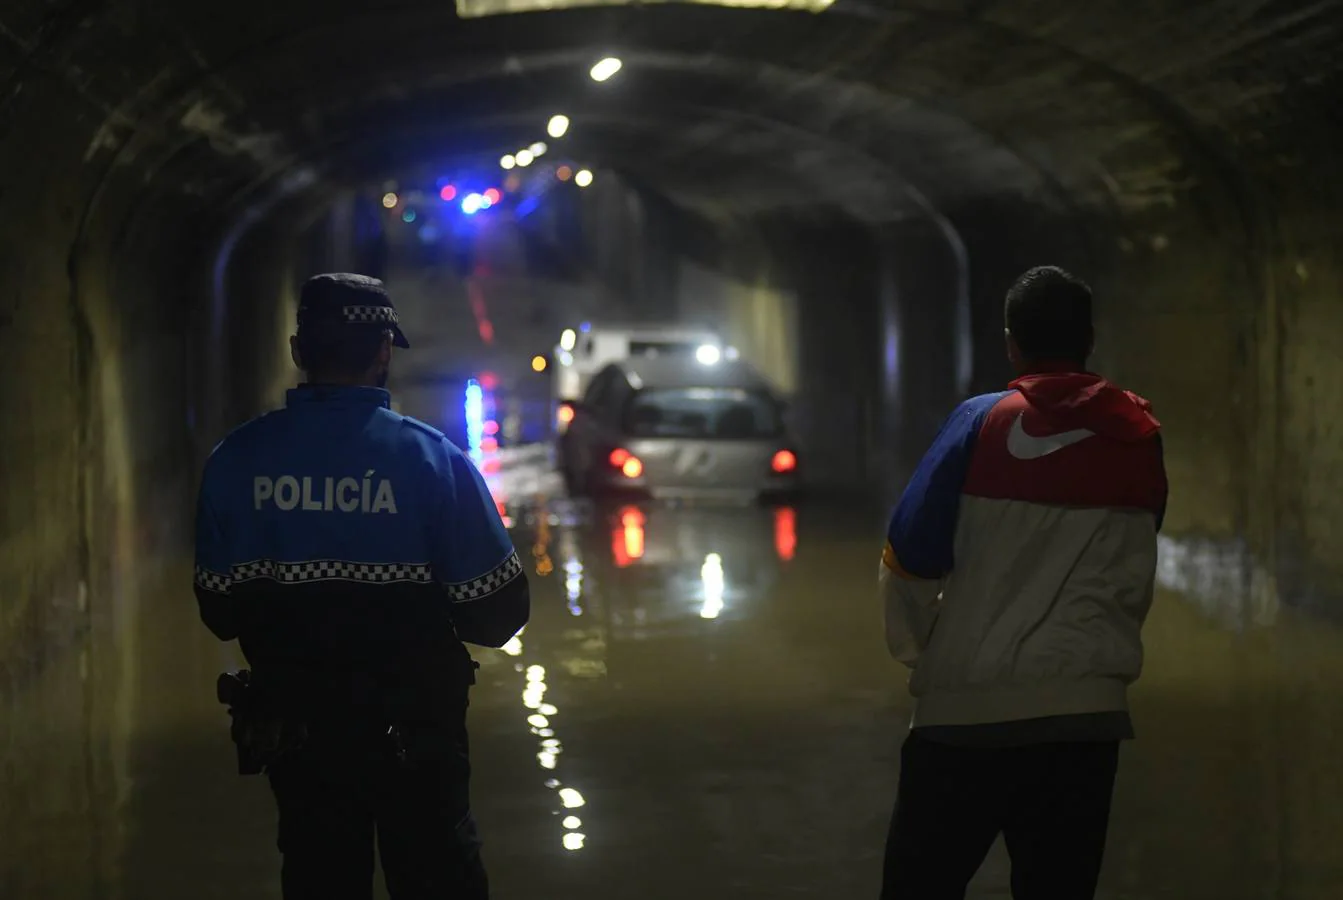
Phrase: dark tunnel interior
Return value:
(855, 183)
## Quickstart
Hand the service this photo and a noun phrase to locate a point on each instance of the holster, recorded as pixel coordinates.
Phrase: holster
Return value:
(263, 730)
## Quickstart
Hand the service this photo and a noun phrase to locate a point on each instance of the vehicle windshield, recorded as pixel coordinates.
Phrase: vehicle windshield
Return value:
(672, 349)
(704, 413)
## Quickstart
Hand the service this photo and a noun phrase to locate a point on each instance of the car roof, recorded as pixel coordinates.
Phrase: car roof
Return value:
(681, 372)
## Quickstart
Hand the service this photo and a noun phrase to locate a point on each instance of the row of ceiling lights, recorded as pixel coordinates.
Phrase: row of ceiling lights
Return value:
(558, 126)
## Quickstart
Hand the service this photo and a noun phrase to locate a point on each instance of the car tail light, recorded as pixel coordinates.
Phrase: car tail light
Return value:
(783, 461)
(565, 414)
(629, 465)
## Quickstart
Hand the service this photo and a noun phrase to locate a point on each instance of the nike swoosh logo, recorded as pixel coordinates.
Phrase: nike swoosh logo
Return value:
(1026, 446)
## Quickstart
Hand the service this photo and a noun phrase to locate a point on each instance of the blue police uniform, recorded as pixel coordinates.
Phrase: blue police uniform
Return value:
(351, 550)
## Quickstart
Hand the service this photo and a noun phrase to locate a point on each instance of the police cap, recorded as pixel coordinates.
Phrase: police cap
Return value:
(343, 298)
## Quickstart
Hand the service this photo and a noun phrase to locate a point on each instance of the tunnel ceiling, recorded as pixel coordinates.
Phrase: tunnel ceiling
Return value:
(877, 111)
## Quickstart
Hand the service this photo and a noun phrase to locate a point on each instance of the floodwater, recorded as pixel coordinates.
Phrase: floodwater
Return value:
(701, 706)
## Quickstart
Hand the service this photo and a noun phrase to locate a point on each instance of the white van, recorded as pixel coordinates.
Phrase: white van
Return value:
(584, 351)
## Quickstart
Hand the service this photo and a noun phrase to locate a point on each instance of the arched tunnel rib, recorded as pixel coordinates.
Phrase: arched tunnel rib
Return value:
(845, 195)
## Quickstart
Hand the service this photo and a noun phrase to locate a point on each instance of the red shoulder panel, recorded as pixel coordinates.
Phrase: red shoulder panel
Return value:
(1022, 455)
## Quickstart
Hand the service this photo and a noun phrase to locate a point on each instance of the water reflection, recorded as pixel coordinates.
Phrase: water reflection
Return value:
(1221, 578)
(627, 540)
(669, 565)
(785, 532)
(541, 549)
(540, 721)
(573, 585)
(711, 574)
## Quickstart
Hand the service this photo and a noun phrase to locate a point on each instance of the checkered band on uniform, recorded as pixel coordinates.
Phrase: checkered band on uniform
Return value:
(212, 581)
(487, 584)
(371, 315)
(332, 570)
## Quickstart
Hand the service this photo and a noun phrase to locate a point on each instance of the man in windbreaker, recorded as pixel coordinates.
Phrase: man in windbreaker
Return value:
(1017, 573)
(351, 551)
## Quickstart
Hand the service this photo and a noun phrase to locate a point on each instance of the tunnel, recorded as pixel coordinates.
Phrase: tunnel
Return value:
(846, 189)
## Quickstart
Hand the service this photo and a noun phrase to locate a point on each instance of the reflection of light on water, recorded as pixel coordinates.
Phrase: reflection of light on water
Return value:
(785, 532)
(540, 550)
(549, 751)
(532, 695)
(573, 585)
(627, 541)
(711, 573)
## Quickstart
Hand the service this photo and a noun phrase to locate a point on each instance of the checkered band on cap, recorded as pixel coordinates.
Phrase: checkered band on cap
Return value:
(332, 570)
(371, 315)
(489, 583)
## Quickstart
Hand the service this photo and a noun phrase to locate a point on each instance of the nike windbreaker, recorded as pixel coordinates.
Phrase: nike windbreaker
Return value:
(1020, 561)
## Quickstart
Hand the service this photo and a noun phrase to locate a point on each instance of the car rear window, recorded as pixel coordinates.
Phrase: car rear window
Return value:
(727, 413)
(672, 349)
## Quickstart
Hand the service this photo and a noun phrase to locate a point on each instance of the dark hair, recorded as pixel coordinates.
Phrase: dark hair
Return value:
(1048, 312)
(339, 350)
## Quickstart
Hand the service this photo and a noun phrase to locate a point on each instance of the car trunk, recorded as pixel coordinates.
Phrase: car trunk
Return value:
(685, 464)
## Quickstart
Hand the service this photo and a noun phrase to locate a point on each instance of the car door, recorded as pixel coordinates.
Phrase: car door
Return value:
(588, 428)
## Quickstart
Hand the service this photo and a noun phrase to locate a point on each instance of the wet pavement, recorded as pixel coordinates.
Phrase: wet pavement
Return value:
(701, 706)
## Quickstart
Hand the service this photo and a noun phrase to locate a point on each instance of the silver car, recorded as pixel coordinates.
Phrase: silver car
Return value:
(679, 428)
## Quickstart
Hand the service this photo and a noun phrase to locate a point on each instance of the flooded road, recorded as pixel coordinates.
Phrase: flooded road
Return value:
(701, 706)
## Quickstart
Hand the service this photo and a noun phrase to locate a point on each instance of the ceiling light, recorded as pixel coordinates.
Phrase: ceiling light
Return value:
(524, 158)
(583, 178)
(605, 68)
(557, 126)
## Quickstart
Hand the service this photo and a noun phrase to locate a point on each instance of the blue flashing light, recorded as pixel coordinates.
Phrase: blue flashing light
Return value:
(475, 418)
(586, 326)
(472, 204)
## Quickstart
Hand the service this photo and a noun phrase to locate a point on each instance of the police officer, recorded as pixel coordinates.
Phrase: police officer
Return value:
(351, 551)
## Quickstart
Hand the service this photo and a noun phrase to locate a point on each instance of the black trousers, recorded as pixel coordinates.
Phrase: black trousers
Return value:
(1051, 803)
(341, 792)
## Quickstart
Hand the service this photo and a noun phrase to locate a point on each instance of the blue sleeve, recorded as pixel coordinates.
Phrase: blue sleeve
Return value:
(922, 531)
(477, 542)
(214, 558)
(475, 559)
